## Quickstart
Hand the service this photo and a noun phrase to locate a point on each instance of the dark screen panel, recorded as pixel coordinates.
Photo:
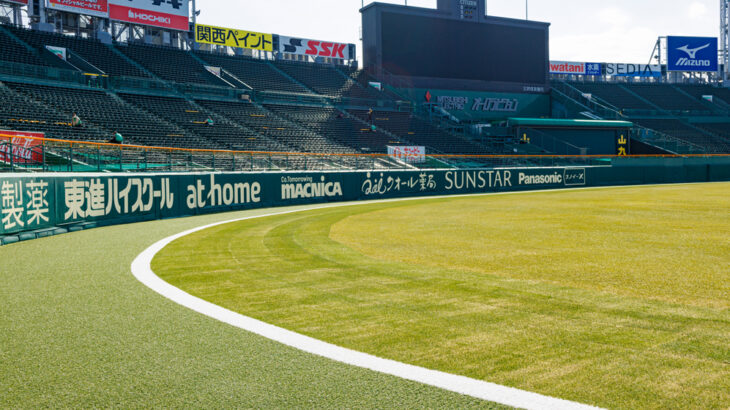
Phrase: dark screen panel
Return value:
(421, 46)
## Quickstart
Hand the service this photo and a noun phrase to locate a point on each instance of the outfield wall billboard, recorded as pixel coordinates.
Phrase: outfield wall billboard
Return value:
(36, 201)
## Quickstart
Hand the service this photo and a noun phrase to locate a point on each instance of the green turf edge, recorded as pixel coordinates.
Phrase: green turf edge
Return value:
(78, 330)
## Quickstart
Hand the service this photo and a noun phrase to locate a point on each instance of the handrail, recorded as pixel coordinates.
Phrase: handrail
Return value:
(335, 154)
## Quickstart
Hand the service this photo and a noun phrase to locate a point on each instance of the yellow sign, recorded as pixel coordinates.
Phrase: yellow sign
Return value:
(233, 38)
(623, 145)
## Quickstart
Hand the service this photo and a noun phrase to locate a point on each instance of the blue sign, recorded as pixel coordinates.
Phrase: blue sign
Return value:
(593, 69)
(692, 54)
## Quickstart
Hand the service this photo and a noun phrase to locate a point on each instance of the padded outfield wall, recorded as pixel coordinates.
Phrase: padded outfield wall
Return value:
(30, 202)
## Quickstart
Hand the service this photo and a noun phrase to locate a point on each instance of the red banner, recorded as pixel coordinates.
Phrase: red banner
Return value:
(98, 8)
(24, 150)
(23, 2)
(172, 15)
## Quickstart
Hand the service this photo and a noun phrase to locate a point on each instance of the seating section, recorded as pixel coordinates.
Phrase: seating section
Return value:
(19, 112)
(96, 53)
(11, 50)
(170, 64)
(106, 115)
(698, 91)
(667, 97)
(326, 80)
(680, 130)
(614, 95)
(336, 126)
(293, 136)
(222, 134)
(420, 132)
(258, 74)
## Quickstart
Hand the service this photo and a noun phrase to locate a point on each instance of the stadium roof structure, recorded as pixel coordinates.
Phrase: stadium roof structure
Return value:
(549, 122)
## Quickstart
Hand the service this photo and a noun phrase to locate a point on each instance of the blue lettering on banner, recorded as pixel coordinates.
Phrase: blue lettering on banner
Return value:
(692, 54)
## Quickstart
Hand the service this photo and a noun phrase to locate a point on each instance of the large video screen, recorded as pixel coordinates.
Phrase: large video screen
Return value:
(421, 46)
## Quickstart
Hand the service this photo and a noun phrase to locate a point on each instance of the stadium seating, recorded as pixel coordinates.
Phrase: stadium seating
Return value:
(419, 132)
(23, 113)
(13, 51)
(681, 130)
(92, 51)
(335, 125)
(615, 95)
(325, 80)
(109, 114)
(667, 97)
(258, 74)
(170, 64)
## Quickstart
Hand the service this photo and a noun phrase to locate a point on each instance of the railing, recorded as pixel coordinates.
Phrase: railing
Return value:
(12, 69)
(26, 154)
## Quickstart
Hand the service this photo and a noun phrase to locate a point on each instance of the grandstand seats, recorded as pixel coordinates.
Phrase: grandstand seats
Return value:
(294, 136)
(92, 51)
(325, 80)
(20, 112)
(615, 95)
(184, 114)
(336, 126)
(667, 97)
(170, 64)
(419, 132)
(681, 130)
(258, 74)
(11, 50)
(99, 109)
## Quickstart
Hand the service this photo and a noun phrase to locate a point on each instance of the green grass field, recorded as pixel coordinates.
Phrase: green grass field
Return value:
(614, 297)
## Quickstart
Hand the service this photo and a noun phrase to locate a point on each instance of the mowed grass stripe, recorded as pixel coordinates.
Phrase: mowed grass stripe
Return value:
(429, 283)
(78, 330)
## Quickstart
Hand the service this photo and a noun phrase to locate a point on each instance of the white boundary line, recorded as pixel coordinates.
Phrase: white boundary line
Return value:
(141, 269)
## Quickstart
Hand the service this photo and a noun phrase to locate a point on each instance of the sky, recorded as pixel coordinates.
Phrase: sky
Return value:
(616, 31)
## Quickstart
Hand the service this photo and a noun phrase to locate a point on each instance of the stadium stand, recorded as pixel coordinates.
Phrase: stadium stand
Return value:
(614, 94)
(681, 130)
(14, 51)
(667, 97)
(170, 64)
(325, 80)
(23, 113)
(258, 74)
(92, 51)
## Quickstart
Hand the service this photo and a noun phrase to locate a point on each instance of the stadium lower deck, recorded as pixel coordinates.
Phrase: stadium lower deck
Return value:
(161, 96)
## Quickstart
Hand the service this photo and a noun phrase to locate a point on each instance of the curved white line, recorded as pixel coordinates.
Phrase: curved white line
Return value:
(141, 268)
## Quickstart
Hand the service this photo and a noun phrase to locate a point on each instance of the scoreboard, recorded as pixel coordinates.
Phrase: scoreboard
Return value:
(455, 47)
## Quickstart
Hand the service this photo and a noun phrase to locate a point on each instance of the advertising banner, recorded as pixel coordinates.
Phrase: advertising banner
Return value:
(410, 155)
(21, 2)
(692, 54)
(314, 48)
(574, 68)
(97, 8)
(233, 38)
(35, 201)
(24, 150)
(633, 70)
(170, 14)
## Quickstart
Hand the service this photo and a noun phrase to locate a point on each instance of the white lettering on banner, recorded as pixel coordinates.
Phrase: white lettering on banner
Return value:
(310, 189)
(19, 212)
(150, 18)
(12, 202)
(226, 194)
(542, 179)
(458, 180)
(92, 198)
(495, 104)
(37, 204)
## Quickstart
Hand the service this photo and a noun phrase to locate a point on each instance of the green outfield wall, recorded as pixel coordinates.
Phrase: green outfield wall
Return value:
(31, 202)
